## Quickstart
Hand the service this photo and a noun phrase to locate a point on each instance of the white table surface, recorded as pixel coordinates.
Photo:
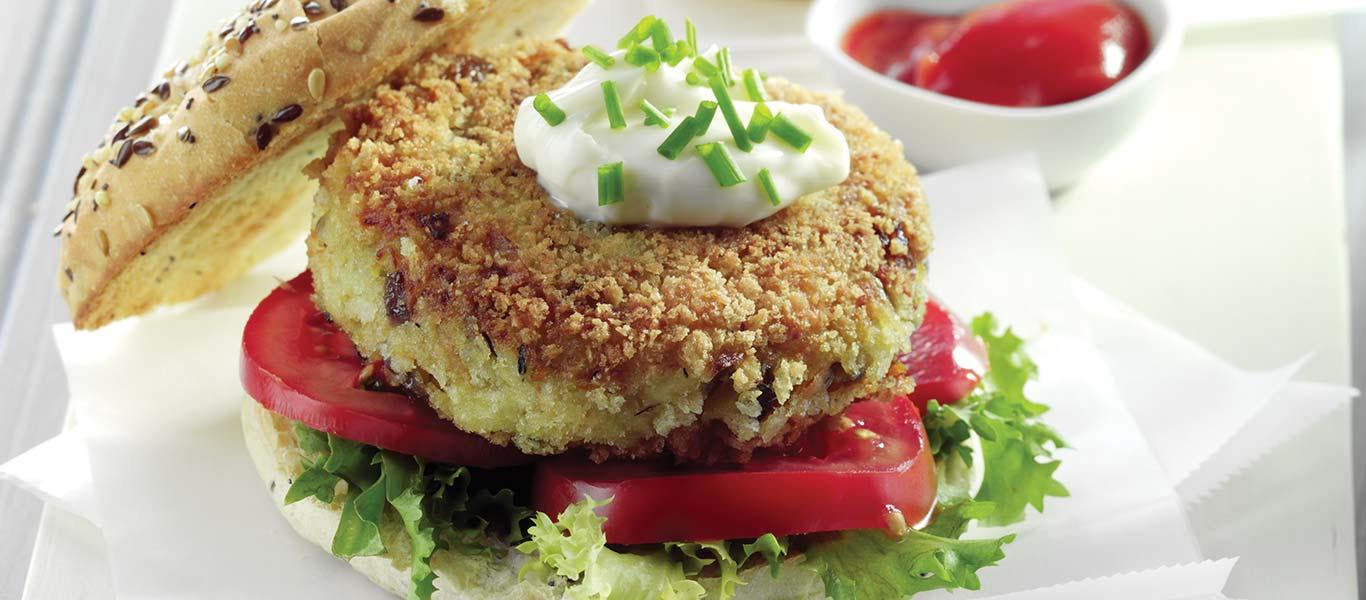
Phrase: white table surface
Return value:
(1224, 218)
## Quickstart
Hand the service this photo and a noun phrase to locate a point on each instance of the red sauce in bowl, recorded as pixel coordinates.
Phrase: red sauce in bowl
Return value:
(1015, 53)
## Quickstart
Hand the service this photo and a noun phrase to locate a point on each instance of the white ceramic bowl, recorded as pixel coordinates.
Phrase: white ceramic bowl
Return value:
(940, 131)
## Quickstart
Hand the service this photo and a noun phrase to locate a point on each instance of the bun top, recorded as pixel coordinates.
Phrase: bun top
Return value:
(202, 176)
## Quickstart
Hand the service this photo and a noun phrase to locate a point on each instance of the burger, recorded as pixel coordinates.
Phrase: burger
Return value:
(607, 322)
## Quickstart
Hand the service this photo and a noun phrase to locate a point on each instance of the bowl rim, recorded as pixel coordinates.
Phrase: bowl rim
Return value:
(1158, 61)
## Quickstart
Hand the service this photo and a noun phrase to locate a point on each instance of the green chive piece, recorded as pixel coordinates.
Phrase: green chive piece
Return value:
(754, 86)
(691, 34)
(654, 116)
(723, 65)
(643, 56)
(789, 132)
(704, 67)
(549, 111)
(611, 184)
(702, 118)
(678, 139)
(722, 166)
(596, 55)
(693, 79)
(759, 122)
(660, 36)
(614, 114)
(676, 52)
(770, 189)
(737, 127)
(637, 34)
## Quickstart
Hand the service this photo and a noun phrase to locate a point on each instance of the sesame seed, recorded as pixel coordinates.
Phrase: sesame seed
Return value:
(140, 100)
(76, 186)
(414, 182)
(143, 147)
(317, 83)
(142, 126)
(281, 25)
(298, 23)
(233, 45)
(145, 216)
(189, 103)
(162, 89)
(221, 61)
(69, 276)
(287, 114)
(246, 33)
(428, 14)
(125, 152)
(338, 4)
(313, 8)
(101, 198)
(102, 240)
(185, 135)
(215, 83)
(264, 134)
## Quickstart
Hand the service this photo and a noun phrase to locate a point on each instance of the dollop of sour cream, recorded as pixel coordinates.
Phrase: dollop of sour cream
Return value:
(659, 191)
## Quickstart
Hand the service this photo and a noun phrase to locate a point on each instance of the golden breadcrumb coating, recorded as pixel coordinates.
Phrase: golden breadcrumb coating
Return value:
(434, 247)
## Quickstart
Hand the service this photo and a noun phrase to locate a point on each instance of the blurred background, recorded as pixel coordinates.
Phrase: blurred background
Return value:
(1235, 214)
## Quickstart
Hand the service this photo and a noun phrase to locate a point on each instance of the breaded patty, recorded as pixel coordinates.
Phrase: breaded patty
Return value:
(434, 247)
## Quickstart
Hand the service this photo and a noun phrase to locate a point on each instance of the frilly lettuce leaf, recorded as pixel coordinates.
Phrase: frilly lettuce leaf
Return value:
(1017, 466)
(870, 565)
(574, 546)
(433, 501)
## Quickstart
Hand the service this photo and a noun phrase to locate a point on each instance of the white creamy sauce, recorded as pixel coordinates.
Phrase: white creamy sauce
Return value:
(659, 191)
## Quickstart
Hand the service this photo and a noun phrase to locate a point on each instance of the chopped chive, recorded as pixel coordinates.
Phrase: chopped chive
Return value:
(693, 79)
(614, 114)
(643, 56)
(769, 188)
(611, 184)
(660, 36)
(789, 132)
(637, 34)
(737, 127)
(690, 35)
(678, 139)
(551, 113)
(722, 166)
(759, 123)
(704, 67)
(602, 59)
(724, 67)
(676, 52)
(706, 109)
(754, 86)
(653, 116)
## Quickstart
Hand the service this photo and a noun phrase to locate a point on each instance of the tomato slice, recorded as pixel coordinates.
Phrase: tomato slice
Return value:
(944, 359)
(852, 472)
(298, 364)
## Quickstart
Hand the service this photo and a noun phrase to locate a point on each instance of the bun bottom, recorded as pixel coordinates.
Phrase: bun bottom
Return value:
(270, 441)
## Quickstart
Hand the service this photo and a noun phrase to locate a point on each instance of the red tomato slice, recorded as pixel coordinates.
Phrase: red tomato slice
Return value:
(298, 364)
(944, 359)
(853, 472)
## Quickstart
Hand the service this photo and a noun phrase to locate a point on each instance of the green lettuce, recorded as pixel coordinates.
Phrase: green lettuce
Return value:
(574, 546)
(1018, 469)
(435, 502)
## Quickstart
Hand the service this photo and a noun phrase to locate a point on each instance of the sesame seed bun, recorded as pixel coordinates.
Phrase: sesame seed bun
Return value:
(204, 175)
